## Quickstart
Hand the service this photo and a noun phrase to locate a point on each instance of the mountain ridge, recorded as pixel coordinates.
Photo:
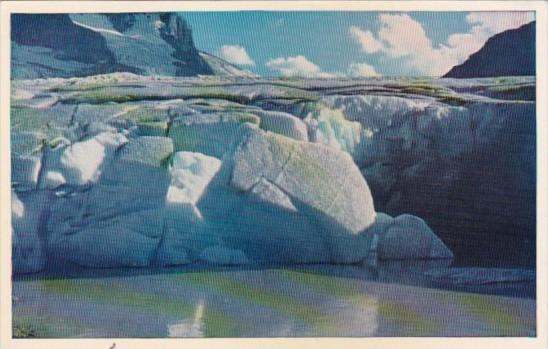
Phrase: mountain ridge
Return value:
(77, 45)
(509, 53)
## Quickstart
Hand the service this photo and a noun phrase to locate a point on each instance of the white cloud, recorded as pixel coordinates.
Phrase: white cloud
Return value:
(366, 39)
(496, 22)
(485, 25)
(357, 70)
(235, 54)
(298, 66)
(401, 37)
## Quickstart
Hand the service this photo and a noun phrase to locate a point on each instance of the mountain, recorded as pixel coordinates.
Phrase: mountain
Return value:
(68, 45)
(510, 53)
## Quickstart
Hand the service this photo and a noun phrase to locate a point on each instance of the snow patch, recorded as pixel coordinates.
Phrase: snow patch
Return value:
(81, 162)
(20, 94)
(54, 179)
(190, 175)
(98, 30)
(86, 157)
(17, 207)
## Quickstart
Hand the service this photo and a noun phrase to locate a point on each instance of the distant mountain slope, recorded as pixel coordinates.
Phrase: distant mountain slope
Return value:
(509, 53)
(223, 68)
(63, 45)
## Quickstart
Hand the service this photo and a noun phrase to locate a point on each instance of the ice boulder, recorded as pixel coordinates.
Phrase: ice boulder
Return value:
(125, 240)
(137, 178)
(382, 223)
(190, 175)
(185, 236)
(172, 251)
(25, 170)
(26, 159)
(409, 237)
(210, 134)
(119, 221)
(281, 200)
(147, 119)
(185, 231)
(283, 123)
(223, 256)
(319, 177)
(27, 219)
(150, 151)
(269, 192)
(79, 163)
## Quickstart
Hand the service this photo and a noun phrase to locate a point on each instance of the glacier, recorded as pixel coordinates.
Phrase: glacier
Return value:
(128, 170)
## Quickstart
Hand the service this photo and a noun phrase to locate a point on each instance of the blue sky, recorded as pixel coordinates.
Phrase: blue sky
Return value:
(348, 43)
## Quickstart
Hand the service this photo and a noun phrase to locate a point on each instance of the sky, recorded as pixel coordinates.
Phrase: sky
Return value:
(355, 44)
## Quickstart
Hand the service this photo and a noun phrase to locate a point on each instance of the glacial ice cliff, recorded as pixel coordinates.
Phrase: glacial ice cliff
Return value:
(127, 170)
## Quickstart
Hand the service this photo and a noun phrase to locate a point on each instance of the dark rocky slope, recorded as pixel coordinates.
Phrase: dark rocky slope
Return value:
(510, 53)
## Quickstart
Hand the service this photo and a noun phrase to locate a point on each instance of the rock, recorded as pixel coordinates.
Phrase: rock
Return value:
(409, 237)
(174, 30)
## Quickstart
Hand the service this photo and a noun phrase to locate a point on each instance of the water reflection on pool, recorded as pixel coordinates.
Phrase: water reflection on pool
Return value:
(189, 327)
(395, 299)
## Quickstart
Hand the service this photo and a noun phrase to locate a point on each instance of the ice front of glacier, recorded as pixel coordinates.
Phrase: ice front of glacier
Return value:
(139, 202)
(124, 170)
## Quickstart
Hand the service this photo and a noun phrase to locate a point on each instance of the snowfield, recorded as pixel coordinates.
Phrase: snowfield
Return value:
(127, 170)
